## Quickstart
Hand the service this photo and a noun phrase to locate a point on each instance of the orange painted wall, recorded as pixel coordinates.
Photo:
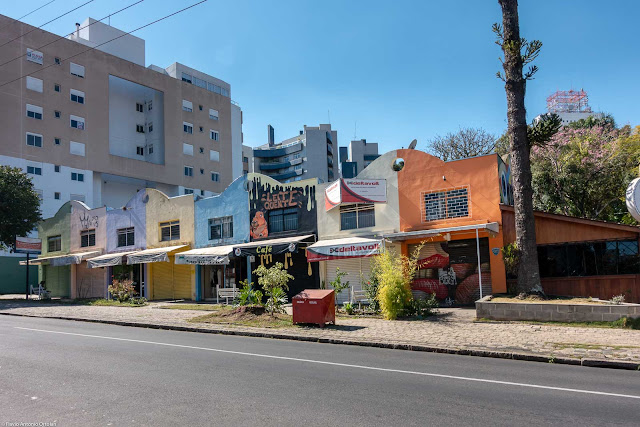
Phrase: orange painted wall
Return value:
(424, 173)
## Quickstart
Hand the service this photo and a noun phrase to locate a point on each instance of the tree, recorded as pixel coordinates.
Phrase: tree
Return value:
(595, 120)
(466, 142)
(19, 205)
(519, 52)
(337, 284)
(539, 132)
(274, 280)
(585, 171)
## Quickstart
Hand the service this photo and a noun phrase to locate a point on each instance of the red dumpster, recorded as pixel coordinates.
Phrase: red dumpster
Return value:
(314, 306)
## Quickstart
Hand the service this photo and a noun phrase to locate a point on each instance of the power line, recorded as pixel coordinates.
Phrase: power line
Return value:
(81, 28)
(24, 16)
(48, 22)
(108, 41)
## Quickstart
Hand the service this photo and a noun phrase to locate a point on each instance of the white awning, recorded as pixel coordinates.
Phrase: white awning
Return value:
(108, 260)
(492, 227)
(348, 247)
(152, 255)
(214, 255)
(60, 260)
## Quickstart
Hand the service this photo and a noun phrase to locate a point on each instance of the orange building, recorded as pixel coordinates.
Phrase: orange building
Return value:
(459, 215)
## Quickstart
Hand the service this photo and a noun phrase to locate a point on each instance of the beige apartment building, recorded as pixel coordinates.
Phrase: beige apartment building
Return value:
(89, 121)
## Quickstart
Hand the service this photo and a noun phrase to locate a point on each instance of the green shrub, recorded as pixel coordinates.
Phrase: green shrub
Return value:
(122, 290)
(336, 284)
(394, 273)
(248, 295)
(348, 308)
(137, 301)
(274, 280)
(618, 300)
(423, 307)
(370, 288)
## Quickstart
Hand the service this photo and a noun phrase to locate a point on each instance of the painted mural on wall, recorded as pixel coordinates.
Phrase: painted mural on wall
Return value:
(281, 209)
(450, 270)
(504, 175)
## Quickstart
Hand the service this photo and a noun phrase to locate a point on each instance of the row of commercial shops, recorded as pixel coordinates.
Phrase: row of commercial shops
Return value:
(456, 215)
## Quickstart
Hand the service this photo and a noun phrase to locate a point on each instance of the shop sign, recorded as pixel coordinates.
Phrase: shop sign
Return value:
(355, 191)
(35, 56)
(495, 251)
(28, 245)
(343, 251)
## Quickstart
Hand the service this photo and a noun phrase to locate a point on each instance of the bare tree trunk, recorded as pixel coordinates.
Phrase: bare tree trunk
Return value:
(515, 85)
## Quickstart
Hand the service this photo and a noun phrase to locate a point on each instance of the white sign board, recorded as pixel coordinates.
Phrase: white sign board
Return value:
(633, 199)
(35, 56)
(355, 191)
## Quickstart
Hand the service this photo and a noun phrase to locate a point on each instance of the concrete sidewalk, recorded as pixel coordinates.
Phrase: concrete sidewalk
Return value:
(452, 331)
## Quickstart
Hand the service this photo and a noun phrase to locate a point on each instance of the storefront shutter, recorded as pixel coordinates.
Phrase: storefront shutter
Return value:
(171, 280)
(58, 280)
(357, 269)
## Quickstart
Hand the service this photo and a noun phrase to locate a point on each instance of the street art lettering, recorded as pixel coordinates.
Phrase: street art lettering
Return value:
(281, 200)
(504, 175)
(88, 221)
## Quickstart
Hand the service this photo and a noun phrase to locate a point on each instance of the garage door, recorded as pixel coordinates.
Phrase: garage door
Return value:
(171, 281)
(357, 269)
(90, 282)
(58, 280)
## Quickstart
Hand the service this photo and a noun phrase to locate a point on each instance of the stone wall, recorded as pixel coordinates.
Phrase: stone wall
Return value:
(487, 309)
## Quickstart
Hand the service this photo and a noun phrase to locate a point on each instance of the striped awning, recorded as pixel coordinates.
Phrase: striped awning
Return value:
(214, 255)
(61, 260)
(108, 260)
(152, 255)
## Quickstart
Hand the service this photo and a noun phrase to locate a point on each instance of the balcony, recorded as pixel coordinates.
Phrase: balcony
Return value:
(271, 166)
(285, 175)
(278, 152)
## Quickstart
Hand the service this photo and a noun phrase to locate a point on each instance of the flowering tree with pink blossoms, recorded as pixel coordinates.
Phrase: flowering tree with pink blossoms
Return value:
(584, 172)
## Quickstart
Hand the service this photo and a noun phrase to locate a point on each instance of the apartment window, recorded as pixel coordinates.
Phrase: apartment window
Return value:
(187, 105)
(200, 107)
(188, 171)
(150, 149)
(139, 107)
(283, 220)
(88, 238)
(214, 155)
(201, 171)
(140, 128)
(140, 151)
(187, 149)
(35, 56)
(56, 87)
(201, 129)
(169, 230)
(149, 105)
(213, 114)
(56, 60)
(357, 216)
(215, 176)
(77, 177)
(76, 70)
(34, 112)
(214, 135)
(150, 127)
(34, 170)
(221, 228)
(56, 195)
(187, 127)
(77, 122)
(34, 140)
(56, 141)
(54, 243)
(126, 236)
(188, 191)
(56, 168)
(34, 84)
(57, 114)
(186, 77)
(76, 148)
(245, 159)
(201, 150)
(77, 96)
(453, 203)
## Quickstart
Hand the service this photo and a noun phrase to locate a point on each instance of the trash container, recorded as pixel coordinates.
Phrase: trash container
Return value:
(314, 306)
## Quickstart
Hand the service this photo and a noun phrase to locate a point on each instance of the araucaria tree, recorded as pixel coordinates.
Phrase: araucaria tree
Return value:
(19, 205)
(519, 52)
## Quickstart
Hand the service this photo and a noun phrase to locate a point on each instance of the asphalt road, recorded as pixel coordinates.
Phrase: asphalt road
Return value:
(75, 373)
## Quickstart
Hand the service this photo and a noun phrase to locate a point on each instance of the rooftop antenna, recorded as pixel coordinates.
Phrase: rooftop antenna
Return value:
(329, 115)
(355, 130)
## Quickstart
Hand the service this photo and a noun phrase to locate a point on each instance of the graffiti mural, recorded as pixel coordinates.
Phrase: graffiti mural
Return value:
(504, 175)
(450, 271)
(279, 210)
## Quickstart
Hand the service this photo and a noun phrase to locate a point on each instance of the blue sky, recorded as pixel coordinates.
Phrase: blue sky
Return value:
(400, 70)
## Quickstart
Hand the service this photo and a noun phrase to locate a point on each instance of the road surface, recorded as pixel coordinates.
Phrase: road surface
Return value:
(75, 373)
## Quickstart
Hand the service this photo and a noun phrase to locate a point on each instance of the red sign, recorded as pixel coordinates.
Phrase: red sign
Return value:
(355, 191)
(28, 245)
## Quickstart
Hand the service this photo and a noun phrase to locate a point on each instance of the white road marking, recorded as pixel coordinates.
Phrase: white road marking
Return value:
(345, 365)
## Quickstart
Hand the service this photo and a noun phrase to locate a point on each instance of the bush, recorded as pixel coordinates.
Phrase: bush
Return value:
(274, 281)
(370, 288)
(618, 299)
(122, 290)
(248, 295)
(394, 273)
(336, 284)
(348, 308)
(137, 301)
(423, 307)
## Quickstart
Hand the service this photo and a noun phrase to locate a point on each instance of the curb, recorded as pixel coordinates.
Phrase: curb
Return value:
(594, 363)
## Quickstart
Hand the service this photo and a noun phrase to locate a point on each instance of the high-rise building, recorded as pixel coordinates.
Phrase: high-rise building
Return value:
(247, 159)
(357, 156)
(307, 155)
(88, 121)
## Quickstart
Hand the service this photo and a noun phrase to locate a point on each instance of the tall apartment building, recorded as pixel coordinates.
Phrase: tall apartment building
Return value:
(307, 155)
(97, 125)
(357, 156)
(247, 159)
